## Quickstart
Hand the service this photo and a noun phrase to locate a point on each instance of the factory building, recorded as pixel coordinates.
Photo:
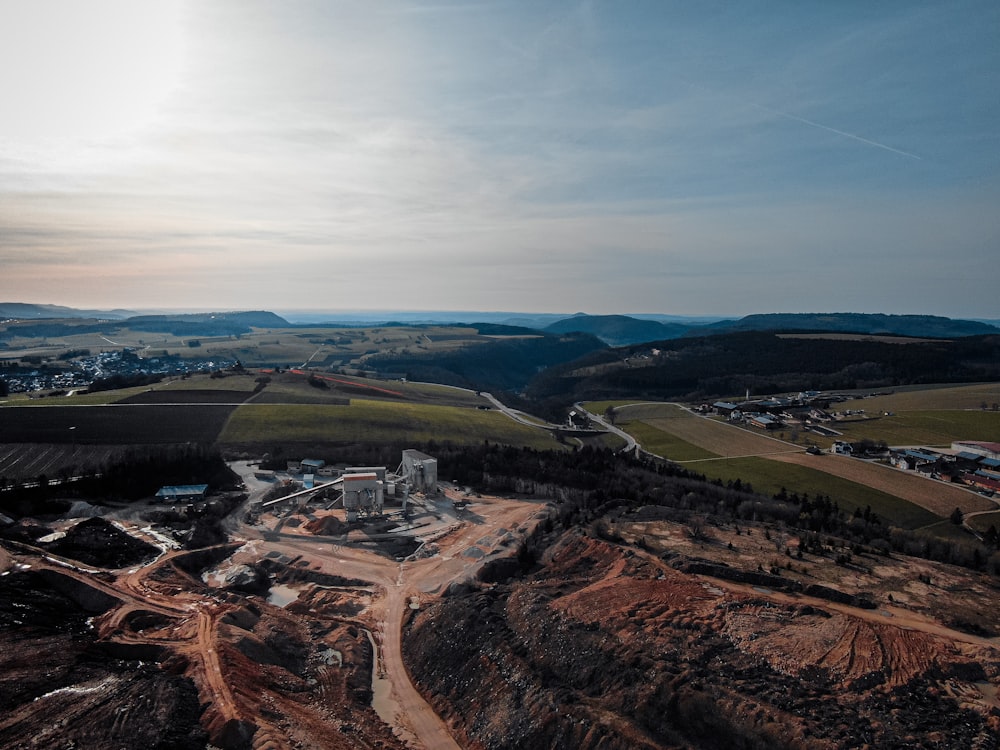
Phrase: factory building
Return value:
(419, 470)
(363, 495)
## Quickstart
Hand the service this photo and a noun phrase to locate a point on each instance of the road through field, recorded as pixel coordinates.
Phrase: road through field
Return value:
(725, 440)
(730, 441)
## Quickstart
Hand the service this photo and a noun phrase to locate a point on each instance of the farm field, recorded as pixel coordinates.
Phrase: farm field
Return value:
(294, 387)
(122, 424)
(930, 428)
(717, 437)
(370, 421)
(906, 498)
(937, 497)
(26, 461)
(769, 477)
(289, 346)
(982, 521)
(926, 398)
(664, 443)
(184, 397)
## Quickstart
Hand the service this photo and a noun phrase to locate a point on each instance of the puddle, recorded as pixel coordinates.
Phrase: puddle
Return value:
(382, 700)
(281, 595)
(332, 657)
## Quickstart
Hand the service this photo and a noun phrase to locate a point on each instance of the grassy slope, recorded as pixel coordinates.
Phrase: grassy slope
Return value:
(769, 477)
(931, 428)
(369, 421)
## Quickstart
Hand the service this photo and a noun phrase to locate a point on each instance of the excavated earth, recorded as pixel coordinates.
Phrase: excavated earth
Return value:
(151, 658)
(634, 634)
(605, 645)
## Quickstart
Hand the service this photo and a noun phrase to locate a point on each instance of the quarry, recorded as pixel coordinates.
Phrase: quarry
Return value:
(369, 607)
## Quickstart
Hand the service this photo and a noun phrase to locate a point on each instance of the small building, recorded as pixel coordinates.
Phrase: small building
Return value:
(763, 421)
(982, 448)
(842, 448)
(724, 408)
(914, 460)
(182, 492)
(311, 465)
(983, 480)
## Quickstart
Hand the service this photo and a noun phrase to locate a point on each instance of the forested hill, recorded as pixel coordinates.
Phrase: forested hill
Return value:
(207, 324)
(930, 326)
(619, 330)
(713, 366)
(504, 364)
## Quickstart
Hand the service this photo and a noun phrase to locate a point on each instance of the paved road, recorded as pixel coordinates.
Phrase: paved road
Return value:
(630, 443)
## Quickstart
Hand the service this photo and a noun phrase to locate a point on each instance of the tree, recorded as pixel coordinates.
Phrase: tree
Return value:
(609, 414)
(957, 516)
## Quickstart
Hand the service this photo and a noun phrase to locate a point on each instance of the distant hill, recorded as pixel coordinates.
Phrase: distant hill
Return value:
(619, 330)
(929, 326)
(28, 311)
(506, 364)
(711, 366)
(207, 324)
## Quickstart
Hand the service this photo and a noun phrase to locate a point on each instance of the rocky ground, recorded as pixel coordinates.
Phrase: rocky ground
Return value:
(607, 645)
(629, 631)
(155, 658)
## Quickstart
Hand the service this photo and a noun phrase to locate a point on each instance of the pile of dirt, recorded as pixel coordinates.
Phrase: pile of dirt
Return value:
(607, 646)
(99, 543)
(326, 526)
(52, 665)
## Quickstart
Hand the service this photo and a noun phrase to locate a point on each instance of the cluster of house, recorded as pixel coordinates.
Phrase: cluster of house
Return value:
(81, 371)
(769, 413)
(809, 409)
(973, 463)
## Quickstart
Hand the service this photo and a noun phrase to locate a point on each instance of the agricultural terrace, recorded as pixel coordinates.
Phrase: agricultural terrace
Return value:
(370, 421)
(684, 437)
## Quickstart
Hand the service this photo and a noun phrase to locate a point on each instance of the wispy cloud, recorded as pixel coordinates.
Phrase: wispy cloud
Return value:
(827, 128)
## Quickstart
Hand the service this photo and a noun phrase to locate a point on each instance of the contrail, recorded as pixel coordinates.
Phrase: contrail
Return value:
(876, 144)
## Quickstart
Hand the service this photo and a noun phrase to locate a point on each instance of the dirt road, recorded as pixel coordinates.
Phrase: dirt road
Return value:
(490, 529)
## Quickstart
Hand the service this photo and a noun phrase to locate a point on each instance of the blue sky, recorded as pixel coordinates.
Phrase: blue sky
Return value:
(682, 158)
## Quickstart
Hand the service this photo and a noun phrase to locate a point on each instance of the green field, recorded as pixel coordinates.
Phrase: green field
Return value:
(931, 428)
(369, 421)
(664, 444)
(921, 398)
(768, 477)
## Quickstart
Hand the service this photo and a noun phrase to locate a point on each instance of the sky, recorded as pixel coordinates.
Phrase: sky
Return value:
(707, 158)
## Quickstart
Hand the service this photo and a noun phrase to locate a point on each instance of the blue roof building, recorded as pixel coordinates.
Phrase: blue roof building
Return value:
(182, 492)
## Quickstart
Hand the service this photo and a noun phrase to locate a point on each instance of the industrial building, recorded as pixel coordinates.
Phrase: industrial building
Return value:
(364, 490)
(184, 492)
(363, 494)
(419, 470)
